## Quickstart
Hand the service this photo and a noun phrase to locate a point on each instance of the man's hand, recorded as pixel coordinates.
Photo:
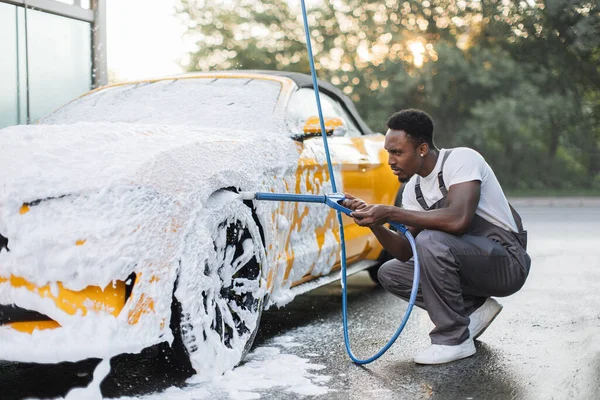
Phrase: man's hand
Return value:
(365, 214)
(373, 215)
(354, 203)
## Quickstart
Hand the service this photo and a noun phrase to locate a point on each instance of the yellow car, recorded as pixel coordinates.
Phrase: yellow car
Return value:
(121, 227)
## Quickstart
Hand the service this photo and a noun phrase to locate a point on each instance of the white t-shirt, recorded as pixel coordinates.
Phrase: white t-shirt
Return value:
(464, 165)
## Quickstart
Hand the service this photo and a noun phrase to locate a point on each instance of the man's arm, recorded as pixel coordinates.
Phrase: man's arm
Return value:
(396, 244)
(463, 199)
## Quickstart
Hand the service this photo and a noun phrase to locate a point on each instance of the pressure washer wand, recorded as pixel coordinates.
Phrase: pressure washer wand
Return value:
(333, 200)
(302, 198)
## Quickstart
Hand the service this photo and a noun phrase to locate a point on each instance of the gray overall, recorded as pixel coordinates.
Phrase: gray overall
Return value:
(458, 273)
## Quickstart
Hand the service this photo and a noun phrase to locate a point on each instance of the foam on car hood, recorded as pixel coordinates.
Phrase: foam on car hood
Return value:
(120, 188)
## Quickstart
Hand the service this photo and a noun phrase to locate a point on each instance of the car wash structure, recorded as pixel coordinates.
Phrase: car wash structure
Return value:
(50, 53)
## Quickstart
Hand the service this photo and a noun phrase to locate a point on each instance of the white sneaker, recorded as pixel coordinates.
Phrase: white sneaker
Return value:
(440, 354)
(483, 317)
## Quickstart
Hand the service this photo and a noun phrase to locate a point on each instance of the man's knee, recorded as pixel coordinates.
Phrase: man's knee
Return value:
(431, 246)
(431, 243)
(429, 237)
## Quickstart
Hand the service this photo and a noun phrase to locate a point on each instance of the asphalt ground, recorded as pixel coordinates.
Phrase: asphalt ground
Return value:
(544, 345)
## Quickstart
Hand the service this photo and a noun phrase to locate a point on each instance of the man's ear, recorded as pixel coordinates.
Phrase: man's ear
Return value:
(423, 149)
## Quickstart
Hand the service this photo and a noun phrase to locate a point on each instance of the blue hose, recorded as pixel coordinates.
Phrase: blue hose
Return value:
(400, 227)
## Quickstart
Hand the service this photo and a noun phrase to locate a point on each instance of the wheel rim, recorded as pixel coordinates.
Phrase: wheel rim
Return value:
(234, 298)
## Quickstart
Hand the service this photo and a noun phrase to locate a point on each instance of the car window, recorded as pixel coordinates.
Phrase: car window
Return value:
(207, 102)
(303, 105)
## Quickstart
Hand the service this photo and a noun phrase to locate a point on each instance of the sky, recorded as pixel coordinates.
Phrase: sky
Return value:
(144, 39)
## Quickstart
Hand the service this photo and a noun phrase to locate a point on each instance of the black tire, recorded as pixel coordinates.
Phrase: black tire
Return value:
(178, 350)
(373, 271)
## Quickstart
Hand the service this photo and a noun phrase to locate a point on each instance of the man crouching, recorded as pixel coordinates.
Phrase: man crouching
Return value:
(470, 241)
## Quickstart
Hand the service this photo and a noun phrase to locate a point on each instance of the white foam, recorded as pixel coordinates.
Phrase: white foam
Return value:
(105, 184)
(131, 189)
(286, 342)
(265, 369)
(92, 391)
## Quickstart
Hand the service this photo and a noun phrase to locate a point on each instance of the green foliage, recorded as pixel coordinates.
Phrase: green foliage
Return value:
(518, 81)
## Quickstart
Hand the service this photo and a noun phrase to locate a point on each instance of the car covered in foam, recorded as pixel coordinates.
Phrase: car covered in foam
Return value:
(121, 227)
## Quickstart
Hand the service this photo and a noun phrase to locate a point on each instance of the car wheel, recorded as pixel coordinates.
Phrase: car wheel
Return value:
(220, 290)
(374, 270)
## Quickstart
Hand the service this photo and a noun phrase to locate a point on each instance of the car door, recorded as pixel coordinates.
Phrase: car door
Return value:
(359, 161)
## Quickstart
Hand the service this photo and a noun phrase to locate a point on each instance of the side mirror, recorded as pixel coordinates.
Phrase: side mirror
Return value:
(333, 127)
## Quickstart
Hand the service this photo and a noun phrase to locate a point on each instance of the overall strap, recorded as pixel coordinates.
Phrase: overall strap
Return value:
(442, 186)
(419, 194)
(441, 183)
(517, 218)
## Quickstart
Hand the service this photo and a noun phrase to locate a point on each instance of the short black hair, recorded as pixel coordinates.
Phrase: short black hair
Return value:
(417, 124)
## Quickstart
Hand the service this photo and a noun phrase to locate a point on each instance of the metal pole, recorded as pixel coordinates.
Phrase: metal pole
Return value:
(18, 31)
(27, 94)
(99, 63)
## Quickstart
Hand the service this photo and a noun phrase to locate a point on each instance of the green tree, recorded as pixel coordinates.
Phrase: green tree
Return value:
(557, 42)
(518, 81)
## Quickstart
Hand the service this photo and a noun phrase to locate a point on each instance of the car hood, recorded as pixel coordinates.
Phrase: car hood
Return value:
(85, 203)
(40, 161)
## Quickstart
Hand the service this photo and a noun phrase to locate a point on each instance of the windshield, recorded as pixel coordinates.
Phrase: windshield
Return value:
(243, 103)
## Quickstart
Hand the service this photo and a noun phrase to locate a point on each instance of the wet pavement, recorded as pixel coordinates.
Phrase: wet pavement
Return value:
(544, 344)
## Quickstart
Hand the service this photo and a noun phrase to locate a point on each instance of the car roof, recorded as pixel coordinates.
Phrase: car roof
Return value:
(304, 81)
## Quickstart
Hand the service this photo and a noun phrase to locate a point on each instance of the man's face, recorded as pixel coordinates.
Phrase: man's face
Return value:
(404, 157)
